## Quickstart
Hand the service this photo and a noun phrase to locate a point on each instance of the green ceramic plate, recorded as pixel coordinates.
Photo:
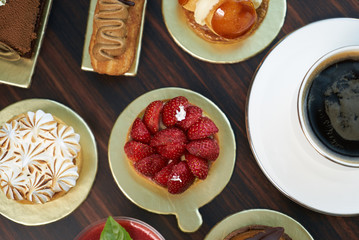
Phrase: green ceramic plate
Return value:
(39, 214)
(183, 35)
(154, 198)
(258, 217)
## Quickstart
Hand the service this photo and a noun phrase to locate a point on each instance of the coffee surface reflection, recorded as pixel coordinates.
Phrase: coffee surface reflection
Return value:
(333, 107)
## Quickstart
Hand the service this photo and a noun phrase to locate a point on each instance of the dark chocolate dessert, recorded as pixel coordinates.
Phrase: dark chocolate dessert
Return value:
(19, 21)
(258, 232)
(333, 107)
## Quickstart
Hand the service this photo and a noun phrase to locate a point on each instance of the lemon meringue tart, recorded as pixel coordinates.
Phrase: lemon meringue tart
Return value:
(40, 157)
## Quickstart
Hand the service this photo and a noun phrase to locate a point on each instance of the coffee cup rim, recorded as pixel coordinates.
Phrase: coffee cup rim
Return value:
(328, 59)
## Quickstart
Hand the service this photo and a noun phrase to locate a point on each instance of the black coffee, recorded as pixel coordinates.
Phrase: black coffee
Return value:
(333, 107)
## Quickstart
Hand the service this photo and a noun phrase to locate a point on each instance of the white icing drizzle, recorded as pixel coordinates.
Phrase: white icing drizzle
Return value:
(37, 157)
(180, 114)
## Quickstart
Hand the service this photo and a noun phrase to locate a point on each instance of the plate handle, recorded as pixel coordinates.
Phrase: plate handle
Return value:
(189, 220)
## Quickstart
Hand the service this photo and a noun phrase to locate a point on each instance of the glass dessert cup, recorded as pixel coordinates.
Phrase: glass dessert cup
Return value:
(137, 229)
(348, 53)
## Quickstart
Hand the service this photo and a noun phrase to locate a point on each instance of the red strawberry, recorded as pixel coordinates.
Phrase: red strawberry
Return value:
(139, 132)
(168, 136)
(163, 175)
(172, 151)
(205, 148)
(172, 108)
(199, 166)
(150, 165)
(137, 150)
(203, 128)
(152, 116)
(180, 179)
(193, 113)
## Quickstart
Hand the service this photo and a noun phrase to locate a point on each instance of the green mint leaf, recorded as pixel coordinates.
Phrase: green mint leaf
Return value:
(114, 231)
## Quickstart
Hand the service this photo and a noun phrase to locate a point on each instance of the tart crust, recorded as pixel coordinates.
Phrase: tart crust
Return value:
(77, 161)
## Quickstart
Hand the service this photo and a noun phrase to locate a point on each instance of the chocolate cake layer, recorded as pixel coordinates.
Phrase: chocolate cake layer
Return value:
(18, 24)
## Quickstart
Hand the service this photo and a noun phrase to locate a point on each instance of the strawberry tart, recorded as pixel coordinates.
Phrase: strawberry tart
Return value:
(173, 143)
(40, 157)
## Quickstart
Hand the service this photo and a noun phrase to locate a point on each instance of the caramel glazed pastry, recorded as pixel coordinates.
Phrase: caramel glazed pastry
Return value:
(115, 33)
(39, 158)
(258, 232)
(224, 21)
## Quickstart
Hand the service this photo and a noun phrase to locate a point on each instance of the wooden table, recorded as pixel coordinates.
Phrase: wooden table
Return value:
(99, 99)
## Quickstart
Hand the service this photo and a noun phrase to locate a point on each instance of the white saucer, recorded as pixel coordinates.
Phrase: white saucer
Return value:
(277, 141)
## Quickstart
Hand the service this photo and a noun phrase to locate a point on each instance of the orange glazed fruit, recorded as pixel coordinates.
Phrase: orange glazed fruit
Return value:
(234, 18)
(182, 2)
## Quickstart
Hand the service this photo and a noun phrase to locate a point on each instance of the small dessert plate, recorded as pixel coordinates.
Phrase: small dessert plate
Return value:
(39, 214)
(150, 196)
(258, 217)
(86, 59)
(187, 39)
(19, 73)
(278, 143)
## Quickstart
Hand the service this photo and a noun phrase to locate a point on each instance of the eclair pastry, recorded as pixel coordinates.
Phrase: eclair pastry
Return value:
(115, 33)
(224, 21)
(40, 158)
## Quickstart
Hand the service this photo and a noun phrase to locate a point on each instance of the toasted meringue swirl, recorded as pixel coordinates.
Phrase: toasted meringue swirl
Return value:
(37, 124)
(14, 184)
(37, 157)
(10, 135)
(63, 175)
(32, 154)
(9, 160)
(64, 141)
(112, 32)
(39, 188)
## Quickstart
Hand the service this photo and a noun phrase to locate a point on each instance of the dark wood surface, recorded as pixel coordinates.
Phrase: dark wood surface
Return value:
(99, 99)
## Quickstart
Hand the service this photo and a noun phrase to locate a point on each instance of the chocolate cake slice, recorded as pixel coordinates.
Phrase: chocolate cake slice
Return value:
(19, 21)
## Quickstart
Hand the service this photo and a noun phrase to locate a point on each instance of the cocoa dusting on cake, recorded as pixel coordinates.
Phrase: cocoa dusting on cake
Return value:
(19, 21)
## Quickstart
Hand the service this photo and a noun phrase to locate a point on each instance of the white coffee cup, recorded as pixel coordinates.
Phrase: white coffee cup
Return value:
(333, 57)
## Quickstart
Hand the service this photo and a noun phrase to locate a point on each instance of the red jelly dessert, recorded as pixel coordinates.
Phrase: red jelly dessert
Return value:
(173, 143)
(137, 229)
